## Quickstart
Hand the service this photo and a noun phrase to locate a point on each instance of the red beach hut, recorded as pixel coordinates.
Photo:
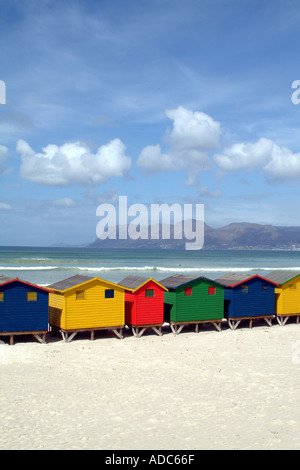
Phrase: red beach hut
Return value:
(144, 304)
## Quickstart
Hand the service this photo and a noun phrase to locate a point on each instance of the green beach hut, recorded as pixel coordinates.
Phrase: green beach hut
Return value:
(191, 300)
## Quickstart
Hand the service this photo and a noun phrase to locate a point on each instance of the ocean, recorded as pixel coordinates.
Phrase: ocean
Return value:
(44, 266)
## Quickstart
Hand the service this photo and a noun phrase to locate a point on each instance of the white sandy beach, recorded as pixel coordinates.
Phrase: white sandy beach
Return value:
(208, 390)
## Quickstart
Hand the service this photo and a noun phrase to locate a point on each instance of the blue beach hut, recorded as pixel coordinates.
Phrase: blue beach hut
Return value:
(23, 309)
(247, 297)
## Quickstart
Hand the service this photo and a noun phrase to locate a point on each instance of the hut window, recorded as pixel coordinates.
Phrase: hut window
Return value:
(264, 288)
(149, 292)
(292, 286)
(80, 295)
(1, 296)
(187, 291)
(211, 291)
(109, 293)
(31, 296)
(244, 289)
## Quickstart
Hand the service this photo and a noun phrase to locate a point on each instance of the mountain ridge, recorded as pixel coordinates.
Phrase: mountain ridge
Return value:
(236, 235)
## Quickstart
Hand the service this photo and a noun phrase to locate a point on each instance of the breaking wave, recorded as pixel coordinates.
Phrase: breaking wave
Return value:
(162, 269)
(181, 269)
(27, 268)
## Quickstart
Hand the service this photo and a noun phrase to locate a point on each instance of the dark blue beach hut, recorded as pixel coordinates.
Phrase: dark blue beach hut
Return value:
(247, 297)
(23, 309)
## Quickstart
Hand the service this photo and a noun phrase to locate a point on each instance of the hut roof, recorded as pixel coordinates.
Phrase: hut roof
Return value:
(7, 280)
(79, 280)
(70, 282)
(133, 283)
(177, 280)
(234, 279)
(280, 277)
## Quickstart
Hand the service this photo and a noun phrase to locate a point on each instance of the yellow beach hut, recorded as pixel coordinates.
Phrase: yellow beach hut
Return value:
(287, 294)
(83, 303)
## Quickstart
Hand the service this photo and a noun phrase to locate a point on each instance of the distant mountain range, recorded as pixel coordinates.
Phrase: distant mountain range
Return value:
(252, 236)
(234, 236)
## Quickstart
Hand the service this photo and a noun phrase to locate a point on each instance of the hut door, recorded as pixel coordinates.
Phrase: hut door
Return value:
(227, 303)
(128, 312)
(167, 311)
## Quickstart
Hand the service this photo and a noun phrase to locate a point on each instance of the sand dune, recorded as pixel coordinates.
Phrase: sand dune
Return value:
(208, 390)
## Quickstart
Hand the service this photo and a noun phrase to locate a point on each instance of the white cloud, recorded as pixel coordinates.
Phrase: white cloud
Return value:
(284, 165)
(193, 130)
(245, 155)
(64, 202)
(277, 162)
(152, 159)
(204, 191)
(193, 135)
(4, 206)
(73, 163)
(4, 154)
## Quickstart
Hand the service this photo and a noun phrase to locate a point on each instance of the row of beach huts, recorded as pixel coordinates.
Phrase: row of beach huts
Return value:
(82, 303)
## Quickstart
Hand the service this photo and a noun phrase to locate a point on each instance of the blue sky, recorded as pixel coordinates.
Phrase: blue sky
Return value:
(159, 100)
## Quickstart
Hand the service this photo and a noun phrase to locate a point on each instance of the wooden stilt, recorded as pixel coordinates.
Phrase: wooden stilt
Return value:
(217, 325)
(67, 339)
(135, 331)
(41, 340)
(71, 336)
(268, 321)
(117, 333)
(178, 326)
(138, 331)
(39, 335)
(157, 330)
(141, 332)
(282, 319)
(234, 324)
